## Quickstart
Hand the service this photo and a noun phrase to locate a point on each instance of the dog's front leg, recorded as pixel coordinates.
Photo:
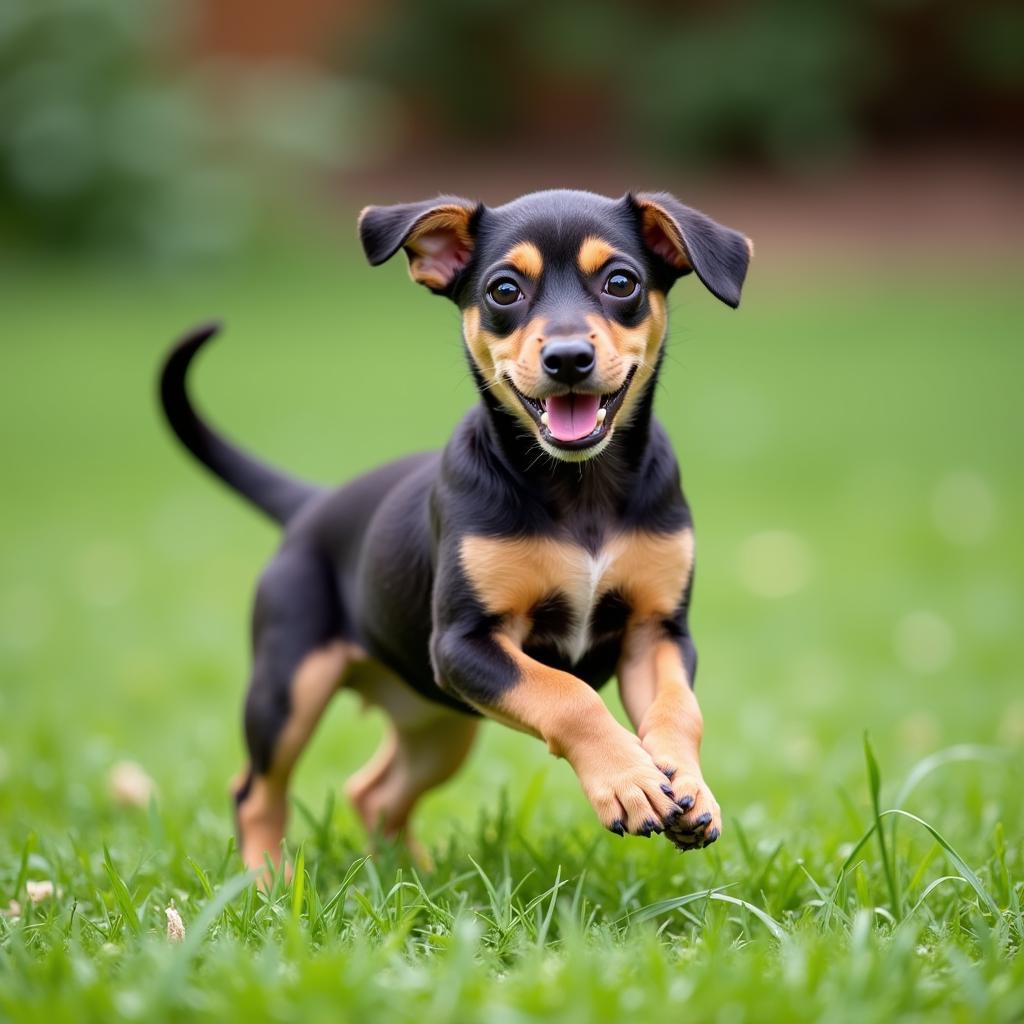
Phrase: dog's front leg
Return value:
(655, 684)
(489, 671)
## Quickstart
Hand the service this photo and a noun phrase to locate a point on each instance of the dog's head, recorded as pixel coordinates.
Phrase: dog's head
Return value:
(562, 296)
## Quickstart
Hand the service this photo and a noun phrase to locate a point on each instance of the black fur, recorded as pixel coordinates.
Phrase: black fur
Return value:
(719, 255)
(383, 230)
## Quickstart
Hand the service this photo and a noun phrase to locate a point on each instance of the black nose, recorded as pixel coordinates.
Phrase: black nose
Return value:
(567, 361)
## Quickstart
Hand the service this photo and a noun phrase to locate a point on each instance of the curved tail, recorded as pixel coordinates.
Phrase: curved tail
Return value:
(276, 493)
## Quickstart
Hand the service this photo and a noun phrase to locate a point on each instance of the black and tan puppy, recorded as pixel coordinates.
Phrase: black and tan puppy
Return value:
(546, 549)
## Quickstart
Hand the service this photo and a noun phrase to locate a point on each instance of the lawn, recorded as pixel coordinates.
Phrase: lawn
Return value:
(851, 445)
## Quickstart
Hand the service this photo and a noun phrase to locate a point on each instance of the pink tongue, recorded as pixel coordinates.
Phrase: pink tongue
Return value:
(571, 417)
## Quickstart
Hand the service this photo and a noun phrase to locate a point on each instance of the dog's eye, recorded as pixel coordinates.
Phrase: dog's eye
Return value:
(505, 292)
(621, 284)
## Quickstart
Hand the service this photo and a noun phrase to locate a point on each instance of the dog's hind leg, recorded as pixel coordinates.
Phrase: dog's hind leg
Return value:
(299, 660)
(424, 745)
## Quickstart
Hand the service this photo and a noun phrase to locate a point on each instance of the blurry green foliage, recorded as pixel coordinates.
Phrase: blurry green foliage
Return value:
(108, 143)
(99, 144)
(777, 83)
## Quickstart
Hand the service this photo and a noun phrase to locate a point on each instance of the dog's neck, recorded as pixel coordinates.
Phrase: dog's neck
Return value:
(590, 495)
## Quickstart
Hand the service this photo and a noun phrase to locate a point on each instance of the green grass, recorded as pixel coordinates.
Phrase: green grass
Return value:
(852, 449)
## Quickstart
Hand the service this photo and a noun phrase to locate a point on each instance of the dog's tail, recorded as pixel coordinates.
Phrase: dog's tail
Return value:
(276, 493)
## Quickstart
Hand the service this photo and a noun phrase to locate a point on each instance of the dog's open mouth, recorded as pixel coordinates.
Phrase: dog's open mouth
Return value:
(574, 420)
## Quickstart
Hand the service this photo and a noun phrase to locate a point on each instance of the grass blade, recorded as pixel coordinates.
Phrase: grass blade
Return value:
(122, 896)
(934, 885)
(875, 785)
(968, 875)
(346, 882)
(545, 924)
(951, 755)
(204, 881)
(298, 883)
(26, 850)
(766, 919)
(227, 892)
(653, 910)
(195, 932)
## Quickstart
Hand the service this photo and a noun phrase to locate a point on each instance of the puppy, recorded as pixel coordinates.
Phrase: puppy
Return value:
(547, 548)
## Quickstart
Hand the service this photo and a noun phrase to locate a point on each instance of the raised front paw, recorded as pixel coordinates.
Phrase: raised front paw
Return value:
(699, 820)
(627, 790)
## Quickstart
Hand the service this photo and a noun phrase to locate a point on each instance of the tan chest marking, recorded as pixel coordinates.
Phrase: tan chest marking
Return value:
(511, 575)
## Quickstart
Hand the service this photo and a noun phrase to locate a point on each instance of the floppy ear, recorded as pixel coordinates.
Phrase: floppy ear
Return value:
(685, 240)
(437, 236)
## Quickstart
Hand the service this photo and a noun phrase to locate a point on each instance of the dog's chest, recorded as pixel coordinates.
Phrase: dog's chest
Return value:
(557, 592)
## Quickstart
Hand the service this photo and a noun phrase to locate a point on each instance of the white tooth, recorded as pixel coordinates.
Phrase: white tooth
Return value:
(544, 418)
(601, 413)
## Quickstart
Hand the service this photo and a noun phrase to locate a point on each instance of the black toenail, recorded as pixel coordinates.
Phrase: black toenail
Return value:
(667, 790)
(669, 772)
(703, 821)
(711, 836)
(618, 828)
(686, 802)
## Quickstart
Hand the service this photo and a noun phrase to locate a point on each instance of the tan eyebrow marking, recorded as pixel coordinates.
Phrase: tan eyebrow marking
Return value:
(594, 254)
(526, 258)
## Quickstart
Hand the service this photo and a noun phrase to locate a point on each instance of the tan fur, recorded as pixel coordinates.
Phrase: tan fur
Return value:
(659, 699)
(497, 358)
(652, 571)
(261, 819)
(410, 761)
(421, 242)
(316, 681)
(424, 745)
(617, 775)
(552, 705)
(517, 357)
(526, 258)
(263, 813)
(655, 219)
(511, 575)
(594, 254)
(655, 689)
(638, 346)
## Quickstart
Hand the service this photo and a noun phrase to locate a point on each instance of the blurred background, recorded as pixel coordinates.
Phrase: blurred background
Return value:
(850, 439)
(163, 130)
